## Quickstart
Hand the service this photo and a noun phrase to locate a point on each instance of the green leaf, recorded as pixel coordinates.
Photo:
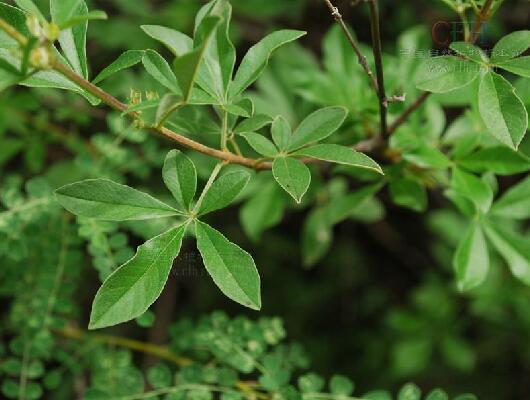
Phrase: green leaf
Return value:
(263, 211)
(78, 19)
(224, 191)
(180, 177)
(9, 76)
(124, 61)
(232, 269)
(437, 394)
(513, 248)
(257, 58)
(471, 260)
(470, 51)
(519, 66)
(427, 157)
(281, 133)
(340, 155)
(409, 392)
(72, 40)
(502, 111)
(445, 74)
(129, 291)
(292, 175)
(408, 193)
(187, 66)
(260, 143)
(515, 203)
(500, 160)
(16, 18)
(177, 42)
(473, 188)
(160, 70)
(107, 200)
(30, 7)
(253, 123)
(341, 386)
(216, 71)
(510, 46)
(318, 126)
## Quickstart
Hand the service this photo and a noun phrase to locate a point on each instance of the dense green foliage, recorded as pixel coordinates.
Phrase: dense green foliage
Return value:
(273, 145)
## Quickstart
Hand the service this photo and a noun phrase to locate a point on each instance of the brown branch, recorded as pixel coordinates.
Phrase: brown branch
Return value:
(409, 110)
(481, 19)
(354, 44)
(378, 57)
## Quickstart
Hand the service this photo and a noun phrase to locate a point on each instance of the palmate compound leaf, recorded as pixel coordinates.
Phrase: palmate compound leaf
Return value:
(471, 260)
(232, 269)
(180, 177)
(445, 74)
(502, 111)
(129, 291)
(107, 200)
(292, 175)
(340, 155)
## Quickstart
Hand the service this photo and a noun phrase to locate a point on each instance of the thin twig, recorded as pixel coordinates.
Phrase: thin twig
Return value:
(335, 13)
(378, 57)
(409, 110)
(481, 19)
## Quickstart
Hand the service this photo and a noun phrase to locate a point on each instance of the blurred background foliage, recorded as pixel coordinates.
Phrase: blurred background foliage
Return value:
(381, 306)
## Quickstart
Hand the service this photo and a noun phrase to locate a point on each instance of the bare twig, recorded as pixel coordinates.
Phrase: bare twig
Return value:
(481, 19)
(335, 13)
(378, 57)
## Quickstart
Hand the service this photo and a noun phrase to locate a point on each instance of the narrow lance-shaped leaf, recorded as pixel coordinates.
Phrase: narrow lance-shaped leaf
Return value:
(72, 40)
(177, 42)
(124, 61)
(317, 126)
(471, 259)
(292, 175)
(180, 177)
(502, 111)
(187, 66)
(111, 201)
(159, 69)
(232, 269)
(223, 191)
(445, 74)
(257, 58)
(132, 288)
(340, 155)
